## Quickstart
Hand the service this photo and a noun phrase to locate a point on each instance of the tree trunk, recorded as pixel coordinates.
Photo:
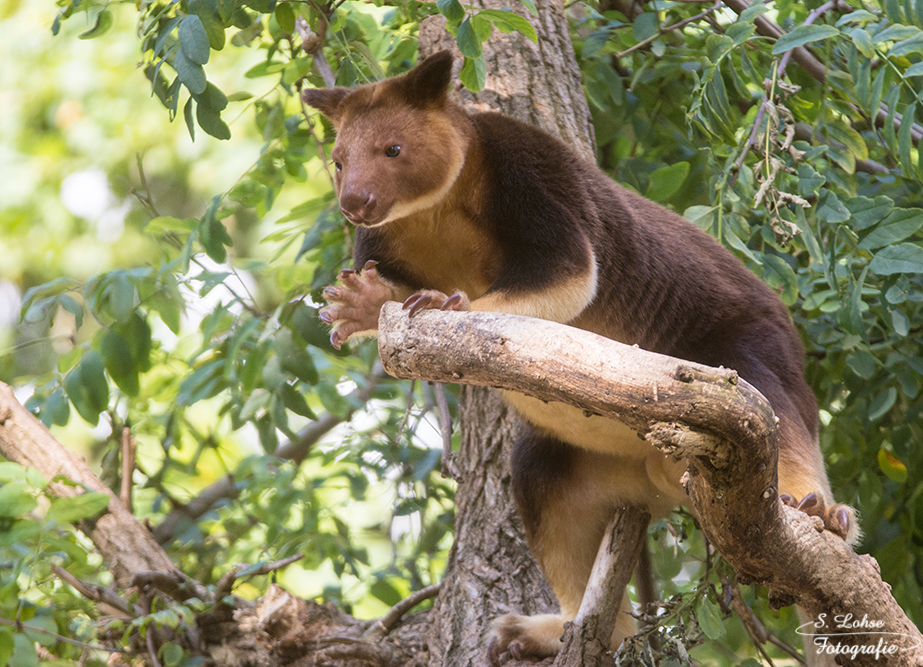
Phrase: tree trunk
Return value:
(490, 569)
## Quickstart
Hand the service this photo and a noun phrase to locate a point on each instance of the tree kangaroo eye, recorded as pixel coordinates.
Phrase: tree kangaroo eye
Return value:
(393, 151)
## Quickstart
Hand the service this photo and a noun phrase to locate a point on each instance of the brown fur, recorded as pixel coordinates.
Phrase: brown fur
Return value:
(494, 208)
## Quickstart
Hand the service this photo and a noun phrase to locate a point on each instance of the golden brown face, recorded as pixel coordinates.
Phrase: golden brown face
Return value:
(397, 151)
(393, 160)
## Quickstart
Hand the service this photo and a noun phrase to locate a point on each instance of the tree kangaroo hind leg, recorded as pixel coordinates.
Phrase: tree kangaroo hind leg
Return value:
(566, 497)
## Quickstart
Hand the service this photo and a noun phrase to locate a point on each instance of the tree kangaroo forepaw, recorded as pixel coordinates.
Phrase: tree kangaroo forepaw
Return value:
(430, 299)
(354, 304)
(839, 519)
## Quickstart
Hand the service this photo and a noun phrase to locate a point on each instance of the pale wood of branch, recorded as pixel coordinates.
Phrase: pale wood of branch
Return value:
(123, 542)
(722, 426)
(586, 640)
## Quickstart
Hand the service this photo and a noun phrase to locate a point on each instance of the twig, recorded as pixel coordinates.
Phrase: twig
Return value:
(313, 44)
(449, 469)
(128, 467)
(175, 584)
(380, 628)
(757, 631)
(675, 26)
(400, 429)
(226, 583)
(767, 98)
(295, 451)
(97, 593)
(61, 638)
(151, 649)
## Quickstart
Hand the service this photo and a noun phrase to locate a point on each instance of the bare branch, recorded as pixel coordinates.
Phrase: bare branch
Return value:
(226, 583)
(128, 468)
(676, 26)
(586, 640)
(718, 423)
(108, 600)
(383, 625)
(125, 544)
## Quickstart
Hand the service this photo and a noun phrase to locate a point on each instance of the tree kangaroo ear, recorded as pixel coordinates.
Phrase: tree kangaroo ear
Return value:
(326, 100)
(428, 83)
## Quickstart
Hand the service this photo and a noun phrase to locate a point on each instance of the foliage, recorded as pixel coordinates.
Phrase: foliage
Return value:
(202, 336)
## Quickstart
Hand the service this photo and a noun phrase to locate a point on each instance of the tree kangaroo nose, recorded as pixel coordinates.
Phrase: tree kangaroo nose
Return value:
(357, 205)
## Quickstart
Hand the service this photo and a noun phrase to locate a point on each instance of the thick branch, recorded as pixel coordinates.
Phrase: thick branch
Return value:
(123, 542)
(586, 640)
(722, 426)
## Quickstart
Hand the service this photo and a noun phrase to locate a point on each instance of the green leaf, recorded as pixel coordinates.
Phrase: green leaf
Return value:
(900, 224)
(483, 28)
(889, 131)
(193, 39)
(882, 403)
(187, 117)
(709, 617)
(645, 26)
(781, 276)
(862, 362)
(452, 10)
(212, 233)
(831, 210)
(896, 33)
(294, 400)
(166, 223)
(474, 74)
(172, 653)
(269, 439)
(87, 388)
(866, 212)
(384, 591)
(190, 73)
(210, 121)
(16, 499)
(666, 181)
(809, 180)
(55, 410)
(863, 41)
(904, 140)
(294, 358)
(907, 47)
(702, 217)
(117, 358)
(903, 258)
(803, 34)
(212, 98)
(75, 508)
(210, 15)
(506, 21)
(285, 17)
(467, 39)
(850, 138)
(807, 235)
(530, 5)
(6, 645)
(100, 27)
(890, 465)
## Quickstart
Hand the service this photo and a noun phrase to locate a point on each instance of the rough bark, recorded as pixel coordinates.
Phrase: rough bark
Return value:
(720, 424)
(490, 570)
